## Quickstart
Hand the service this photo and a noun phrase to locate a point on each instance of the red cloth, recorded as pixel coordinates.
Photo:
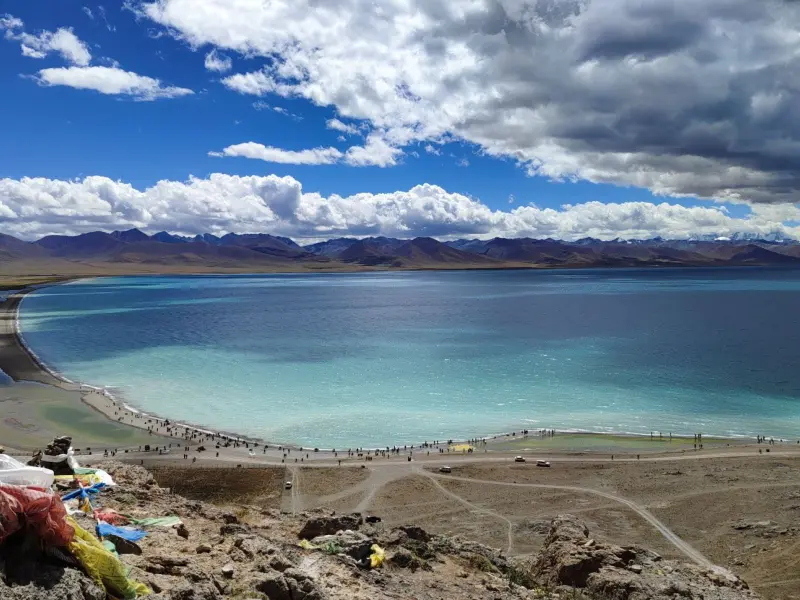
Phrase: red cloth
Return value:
(40, 510)
(109, 515)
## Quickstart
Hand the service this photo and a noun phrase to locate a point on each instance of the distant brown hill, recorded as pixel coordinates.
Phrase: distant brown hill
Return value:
(428, 251)
(131, 235)
(12, 249)
(190, 253)
(266, 244)
(368, 252)
(546, 252)
(96, 244)
(417, 253)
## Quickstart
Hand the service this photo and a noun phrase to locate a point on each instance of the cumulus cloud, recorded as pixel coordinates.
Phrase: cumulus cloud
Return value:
(33, 207)
(431, 150)
(375, 153)
(337, 125)
(104, 79)
(679, 96)
(313, 156)
(112, 81)
(215, 61)
(10, 24)
(257, 83)
(62, 41)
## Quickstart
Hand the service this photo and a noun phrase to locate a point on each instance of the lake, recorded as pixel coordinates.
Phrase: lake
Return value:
(376, 359)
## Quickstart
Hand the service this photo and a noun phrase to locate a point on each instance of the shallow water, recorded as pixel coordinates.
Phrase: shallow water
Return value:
(381, 358)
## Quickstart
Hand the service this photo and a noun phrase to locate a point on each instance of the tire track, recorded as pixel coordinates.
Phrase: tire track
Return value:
(475, 507)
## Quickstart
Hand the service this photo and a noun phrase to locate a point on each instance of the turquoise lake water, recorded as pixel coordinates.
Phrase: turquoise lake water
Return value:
(381, 358)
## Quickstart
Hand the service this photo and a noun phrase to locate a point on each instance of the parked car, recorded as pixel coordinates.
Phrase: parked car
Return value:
(445, 470)
(542, 463)
(519, 459)
(287, 485)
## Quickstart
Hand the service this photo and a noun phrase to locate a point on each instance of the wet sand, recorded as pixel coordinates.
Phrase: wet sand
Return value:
(32, 414)
(37, 406)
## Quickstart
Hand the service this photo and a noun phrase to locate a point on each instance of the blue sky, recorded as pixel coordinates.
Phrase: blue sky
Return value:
(64, 133)
(497, 139)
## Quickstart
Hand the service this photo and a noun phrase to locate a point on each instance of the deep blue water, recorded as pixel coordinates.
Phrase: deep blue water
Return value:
(375, 359)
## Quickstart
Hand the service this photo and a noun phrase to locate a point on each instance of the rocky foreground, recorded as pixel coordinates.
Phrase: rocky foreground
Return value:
(249, 553)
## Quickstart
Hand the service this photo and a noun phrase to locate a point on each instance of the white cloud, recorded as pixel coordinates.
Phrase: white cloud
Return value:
(314, 156)
(62, 41)
(462, 162)
(10, 23)
(88, 12)
(337, 125)
(110, 80)
(218, 62)
(257, 83)
(376, 153)
(431, 150)
(32, 207)
(681, 97)
(104, 79)
(102, 12)
(261, 105)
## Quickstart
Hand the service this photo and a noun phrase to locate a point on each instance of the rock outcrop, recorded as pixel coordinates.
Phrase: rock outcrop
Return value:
(571, 558)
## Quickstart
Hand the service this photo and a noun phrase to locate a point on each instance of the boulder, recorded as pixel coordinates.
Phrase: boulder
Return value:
(251, 545)
(194, 591)
(416, 533)
(53, 583)
(318, 526)
(406, 559)
(293, 584)
(233, 529)
(608, 572)
(228, 571)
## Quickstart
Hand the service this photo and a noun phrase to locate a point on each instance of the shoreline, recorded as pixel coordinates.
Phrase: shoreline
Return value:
(22, 364)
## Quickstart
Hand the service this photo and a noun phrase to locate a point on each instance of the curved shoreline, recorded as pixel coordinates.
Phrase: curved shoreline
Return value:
(20, 362)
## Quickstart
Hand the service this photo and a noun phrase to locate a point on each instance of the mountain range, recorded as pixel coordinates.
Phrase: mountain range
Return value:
(136, 251)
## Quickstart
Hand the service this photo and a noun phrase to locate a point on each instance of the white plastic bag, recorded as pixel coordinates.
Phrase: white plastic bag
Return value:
(69, 457)
(13, 472)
